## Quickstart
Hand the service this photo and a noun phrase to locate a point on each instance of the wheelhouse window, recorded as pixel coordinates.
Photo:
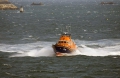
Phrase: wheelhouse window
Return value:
(62, 42)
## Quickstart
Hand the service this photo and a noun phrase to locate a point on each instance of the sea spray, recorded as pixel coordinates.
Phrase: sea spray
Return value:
(46, 51)
(41, 48)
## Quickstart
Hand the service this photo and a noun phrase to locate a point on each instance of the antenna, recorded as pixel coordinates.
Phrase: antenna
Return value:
(65, 30)
(68, 29)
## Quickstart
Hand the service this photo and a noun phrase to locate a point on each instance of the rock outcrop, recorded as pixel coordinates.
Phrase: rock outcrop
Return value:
(6, 5)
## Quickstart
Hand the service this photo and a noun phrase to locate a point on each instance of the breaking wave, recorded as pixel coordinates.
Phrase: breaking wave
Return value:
(89, 48)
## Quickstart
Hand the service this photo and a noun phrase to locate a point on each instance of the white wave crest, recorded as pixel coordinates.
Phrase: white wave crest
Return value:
(88, 48)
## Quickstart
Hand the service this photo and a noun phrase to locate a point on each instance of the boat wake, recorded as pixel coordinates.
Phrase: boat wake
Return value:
(47, 51)
(87, 48)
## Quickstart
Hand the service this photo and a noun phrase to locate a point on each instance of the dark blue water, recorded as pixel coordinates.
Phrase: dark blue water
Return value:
(26, 39)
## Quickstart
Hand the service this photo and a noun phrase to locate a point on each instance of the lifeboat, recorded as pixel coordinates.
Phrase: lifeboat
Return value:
(65, 45)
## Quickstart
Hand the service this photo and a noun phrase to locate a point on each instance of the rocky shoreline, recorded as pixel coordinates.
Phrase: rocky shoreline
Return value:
(6, 5)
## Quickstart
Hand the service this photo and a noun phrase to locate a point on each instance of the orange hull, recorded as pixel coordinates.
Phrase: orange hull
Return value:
(59, 54)
(64, 46)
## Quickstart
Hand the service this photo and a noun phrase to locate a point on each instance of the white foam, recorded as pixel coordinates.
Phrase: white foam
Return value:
(46, 51)
(92, 52)
(41, 48)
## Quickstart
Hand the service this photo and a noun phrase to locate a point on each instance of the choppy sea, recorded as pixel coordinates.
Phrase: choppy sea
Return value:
(26, 39)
